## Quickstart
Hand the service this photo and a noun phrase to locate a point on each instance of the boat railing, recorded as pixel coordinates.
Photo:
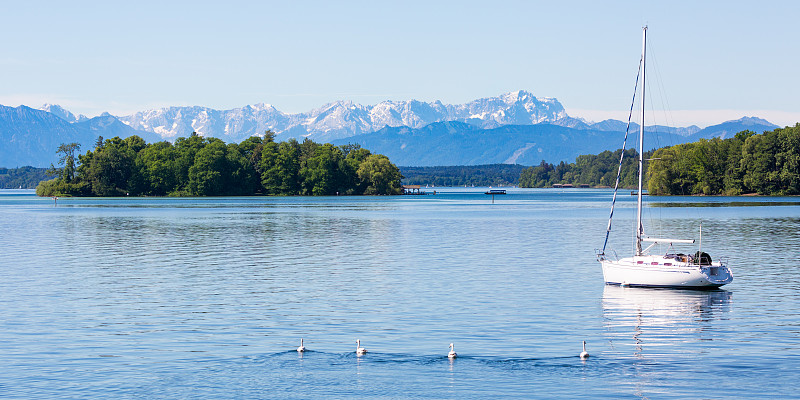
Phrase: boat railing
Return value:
(602, 255)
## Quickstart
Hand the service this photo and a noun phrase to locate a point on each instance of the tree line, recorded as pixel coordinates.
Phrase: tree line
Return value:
(765, 164)
(23, 177)
(477, 175)
(598, 170)
(199, 166)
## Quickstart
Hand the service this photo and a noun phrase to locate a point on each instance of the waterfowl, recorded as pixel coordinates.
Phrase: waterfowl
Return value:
(452, 353)
(360, 350)
(301, 348)
(584, 355)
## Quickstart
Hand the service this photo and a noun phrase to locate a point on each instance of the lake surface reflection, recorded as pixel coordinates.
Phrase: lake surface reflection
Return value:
(175, 298)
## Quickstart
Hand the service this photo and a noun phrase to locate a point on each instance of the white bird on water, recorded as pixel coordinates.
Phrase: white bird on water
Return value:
(452, 353)
(301, 348)
(584, 355)
(360, 350)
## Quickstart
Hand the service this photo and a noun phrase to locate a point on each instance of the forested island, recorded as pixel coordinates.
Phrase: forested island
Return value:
(765, 164)
(199, 166)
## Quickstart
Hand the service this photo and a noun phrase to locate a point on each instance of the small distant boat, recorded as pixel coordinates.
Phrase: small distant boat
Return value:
(496, 191)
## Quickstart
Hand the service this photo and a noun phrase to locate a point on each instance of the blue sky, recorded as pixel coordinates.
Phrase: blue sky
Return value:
(714, 60)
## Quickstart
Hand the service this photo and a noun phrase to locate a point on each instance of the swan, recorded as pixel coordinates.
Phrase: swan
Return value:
(452, 353)
(584, 355)
(301, 348)
(360, 350)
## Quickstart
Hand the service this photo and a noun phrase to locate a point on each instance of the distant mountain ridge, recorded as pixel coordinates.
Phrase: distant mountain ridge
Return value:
(31, 137)
(728, 129)
(344, 118)
(62, 113)
(518, 122)
(456, 143)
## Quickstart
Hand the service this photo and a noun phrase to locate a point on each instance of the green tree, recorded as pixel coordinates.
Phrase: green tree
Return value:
(538, 176)
(242, 179)
(156, 165)
(67, 160)
(788, 159)
(185, 151)
(733, 180)
(286, 168)
(355, 156)
(270, 171)
(207, 174)
(251, 150)
(669, 173)
(760, 164)
(321, 174)
(379, 175)
(110, 167)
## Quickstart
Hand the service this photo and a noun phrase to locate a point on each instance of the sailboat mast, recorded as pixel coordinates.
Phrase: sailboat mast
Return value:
(640, 227)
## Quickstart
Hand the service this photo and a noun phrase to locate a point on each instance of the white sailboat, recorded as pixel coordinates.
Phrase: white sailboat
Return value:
(658, 270)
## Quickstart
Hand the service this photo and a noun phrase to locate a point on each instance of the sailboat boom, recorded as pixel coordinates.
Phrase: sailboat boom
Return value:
(660, 240)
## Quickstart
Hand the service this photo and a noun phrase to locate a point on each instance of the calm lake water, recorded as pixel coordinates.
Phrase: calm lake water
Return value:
(208, 298)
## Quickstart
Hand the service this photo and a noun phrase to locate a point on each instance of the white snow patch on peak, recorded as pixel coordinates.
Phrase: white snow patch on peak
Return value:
(60, 112)
(345, 118)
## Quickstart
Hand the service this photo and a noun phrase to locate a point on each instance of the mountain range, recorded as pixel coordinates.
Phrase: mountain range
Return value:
(458, 143)
(31, 137)
(344, 118)
(515, 127)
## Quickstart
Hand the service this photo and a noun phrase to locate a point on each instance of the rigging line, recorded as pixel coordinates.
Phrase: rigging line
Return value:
(621, 155)
(670, 137)
(668, 117)
(663, 137)
(655, 134)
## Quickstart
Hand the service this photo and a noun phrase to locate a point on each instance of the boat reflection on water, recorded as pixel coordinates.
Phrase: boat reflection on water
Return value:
(654, 322)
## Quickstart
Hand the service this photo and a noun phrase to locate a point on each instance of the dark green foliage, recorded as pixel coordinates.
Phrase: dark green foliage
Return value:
(322, 173)
(380, 175)
(156, 168)
(66, 158)
(767, 164)
(593, 170)
(58, 187)
(110, 168)
(197, 166)
(209, 170)
(24, 177)
(477, 175)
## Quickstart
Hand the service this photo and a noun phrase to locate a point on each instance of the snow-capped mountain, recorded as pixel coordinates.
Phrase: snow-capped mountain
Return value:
(173, 122)
(515, 127)
(60, 112)
(344, 118)
(30, 137)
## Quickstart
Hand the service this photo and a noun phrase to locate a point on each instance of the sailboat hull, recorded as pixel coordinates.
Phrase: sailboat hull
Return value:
(657, 271)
